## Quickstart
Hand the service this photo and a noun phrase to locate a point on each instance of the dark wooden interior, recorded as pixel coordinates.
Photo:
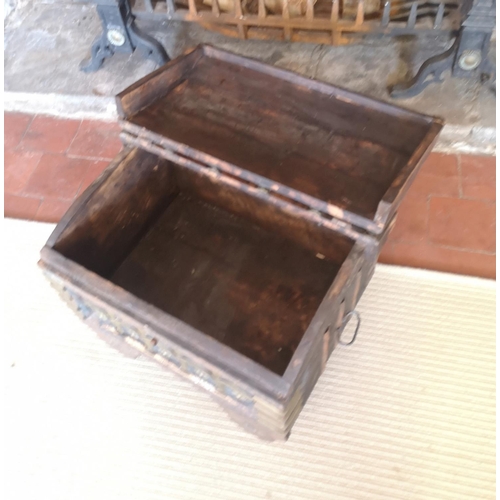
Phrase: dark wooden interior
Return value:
(320, 144)
(219, 259)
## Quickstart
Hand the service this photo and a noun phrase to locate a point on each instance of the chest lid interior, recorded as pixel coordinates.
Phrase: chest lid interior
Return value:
(343, 155)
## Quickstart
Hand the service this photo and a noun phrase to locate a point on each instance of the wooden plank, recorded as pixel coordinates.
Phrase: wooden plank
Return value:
(260, 153)
(337, 324)
(238, 14)
(341, 133)
(102, 232)
(238, 11)
(280, 202)
(125, 155)
(149, 88)
(315, 85)
(242, 31)
(395, 193)
(330, 211)
(259, 208)
(327, 314)
(335, 11)
(234, 364)
(238, 277)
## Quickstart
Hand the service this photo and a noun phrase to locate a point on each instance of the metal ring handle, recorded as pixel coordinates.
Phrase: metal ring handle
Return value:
(347, 317)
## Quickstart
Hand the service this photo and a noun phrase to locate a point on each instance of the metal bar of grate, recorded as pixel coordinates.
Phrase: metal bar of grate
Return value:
(339, 26)
(170, 7)
(412, 18)
(386, 16)
(438, 21)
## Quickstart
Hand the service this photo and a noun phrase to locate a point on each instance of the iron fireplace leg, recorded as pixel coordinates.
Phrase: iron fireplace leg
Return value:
(430, 72)
(151, 48)
(120, 34)
(466, 58)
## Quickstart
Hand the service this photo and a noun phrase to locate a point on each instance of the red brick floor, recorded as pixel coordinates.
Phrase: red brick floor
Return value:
(49, 162)
(446, 222)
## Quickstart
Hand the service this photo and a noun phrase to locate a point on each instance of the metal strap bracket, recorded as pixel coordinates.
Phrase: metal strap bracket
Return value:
(346, 319)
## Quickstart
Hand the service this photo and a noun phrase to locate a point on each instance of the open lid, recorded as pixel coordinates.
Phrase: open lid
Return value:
(336, 152)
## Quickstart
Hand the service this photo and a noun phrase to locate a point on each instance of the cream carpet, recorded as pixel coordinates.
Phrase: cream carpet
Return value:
(407, 412)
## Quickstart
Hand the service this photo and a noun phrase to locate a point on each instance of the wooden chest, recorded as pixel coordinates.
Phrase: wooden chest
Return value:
(233, 236)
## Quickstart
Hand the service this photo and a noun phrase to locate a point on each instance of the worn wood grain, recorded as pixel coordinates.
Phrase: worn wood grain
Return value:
(115, 217)
(236, 236)
(329, 145)
(306, 232)
(285, 199)
(148, 225)
(247, 287)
